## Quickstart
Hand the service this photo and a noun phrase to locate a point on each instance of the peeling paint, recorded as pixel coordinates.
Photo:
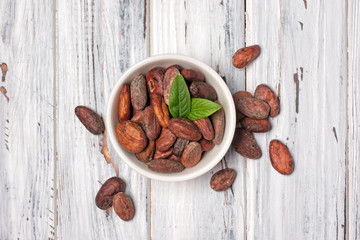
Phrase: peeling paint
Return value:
(278, 93)
(232, 191)
(4, 69)
(144, 21)
(225, 198)
(4, 92)
(296, 81)
(225, 163)
(185, 32)
(335, 135)
(104, 149)
(305, 3)
(105, 152)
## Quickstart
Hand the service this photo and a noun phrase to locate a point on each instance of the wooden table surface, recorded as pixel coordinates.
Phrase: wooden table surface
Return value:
(61, 54)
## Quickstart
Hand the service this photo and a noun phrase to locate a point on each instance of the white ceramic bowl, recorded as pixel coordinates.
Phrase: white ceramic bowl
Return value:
(210, 158)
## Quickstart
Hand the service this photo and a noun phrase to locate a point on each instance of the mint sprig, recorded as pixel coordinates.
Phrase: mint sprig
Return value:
(181, 104)
(202, 108)
(179, 98)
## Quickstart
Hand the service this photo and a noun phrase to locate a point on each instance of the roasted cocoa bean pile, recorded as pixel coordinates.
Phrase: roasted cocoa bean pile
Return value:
(253, 113)
(170, 145)
(146, 128)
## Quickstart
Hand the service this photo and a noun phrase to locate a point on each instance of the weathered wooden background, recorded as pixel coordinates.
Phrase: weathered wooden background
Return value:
(61, 54)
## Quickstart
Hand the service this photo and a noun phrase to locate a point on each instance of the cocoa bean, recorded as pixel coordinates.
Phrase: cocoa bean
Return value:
(244, 56)
(241, 94)
(218, 122)
(148, 152)
(206, 145)
(184, 128)
(131, 136)
(245, 144)
(255, 125)
(139, 118)
(163, 155)
(151, 124)
(123, 206)
(154, 80)
(237, 95)
(124, 103)
(206, 128)
(280, 157)
(107, 191)
(264, 92)
(175, 66)
(165, 166)
(168, 79)
(160, 109)
(202, 90)
(192, 75)
(222, 179)
(179, 146)
(191, 155)
(90, 119)
(138, 92)
(252, 107)
(166, 140)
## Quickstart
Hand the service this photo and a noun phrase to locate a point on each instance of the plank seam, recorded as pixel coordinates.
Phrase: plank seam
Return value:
(56, 119)
(347, 145)
(149, 28)
(245, 29)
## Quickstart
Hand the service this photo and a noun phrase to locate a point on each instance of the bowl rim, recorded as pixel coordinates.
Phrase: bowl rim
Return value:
(154, 175)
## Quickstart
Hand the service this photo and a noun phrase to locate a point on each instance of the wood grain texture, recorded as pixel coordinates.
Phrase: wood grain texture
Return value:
(97, 42)
(67, 53)
(27, 149)
(210, 31)
(354, 120)
(303, 50)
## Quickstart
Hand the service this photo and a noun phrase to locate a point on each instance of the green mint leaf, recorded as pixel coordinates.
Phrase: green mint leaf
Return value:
(179, 98)
(201, 108)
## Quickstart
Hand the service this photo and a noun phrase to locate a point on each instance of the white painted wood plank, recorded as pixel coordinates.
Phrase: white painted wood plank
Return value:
(354, 119)
(27, 148)
(302, 41)
(210, 31)
(97, 42)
